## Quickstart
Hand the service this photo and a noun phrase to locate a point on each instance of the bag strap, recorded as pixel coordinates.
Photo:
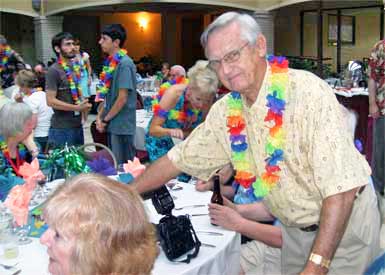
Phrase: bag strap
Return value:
(196, 247)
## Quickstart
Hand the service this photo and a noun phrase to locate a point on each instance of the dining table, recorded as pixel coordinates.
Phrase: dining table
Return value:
(219, 253)
(143, 117)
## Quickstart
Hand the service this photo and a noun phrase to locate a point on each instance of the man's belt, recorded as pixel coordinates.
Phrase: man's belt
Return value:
(362, 188)
(310, 228)
(314, 227)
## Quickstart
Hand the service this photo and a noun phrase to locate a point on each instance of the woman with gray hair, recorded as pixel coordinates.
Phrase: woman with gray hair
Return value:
(97, 226)
(181, 108)
(16, 125)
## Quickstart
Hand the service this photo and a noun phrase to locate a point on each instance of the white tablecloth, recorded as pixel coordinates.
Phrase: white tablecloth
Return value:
(350, 92)
(142, 120)
(147, 93)
(223, 259)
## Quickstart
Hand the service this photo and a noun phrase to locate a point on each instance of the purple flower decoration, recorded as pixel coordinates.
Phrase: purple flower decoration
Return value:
(238, 138)
(162, 113)
(359, 145)
(280, 59)
(102, 166)
(275, 104)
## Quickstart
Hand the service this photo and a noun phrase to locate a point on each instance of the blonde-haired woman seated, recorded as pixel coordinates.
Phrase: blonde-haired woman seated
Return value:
(98, 226)
(181, 108)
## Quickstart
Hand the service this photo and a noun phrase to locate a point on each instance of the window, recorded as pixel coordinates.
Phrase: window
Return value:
(348, 25)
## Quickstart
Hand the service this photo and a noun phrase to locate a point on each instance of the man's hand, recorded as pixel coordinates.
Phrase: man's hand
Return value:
(374, 111)
(176, 133)
(225, 216)
(84, 106)
(203, 186)
(100, 126)
(229, 203)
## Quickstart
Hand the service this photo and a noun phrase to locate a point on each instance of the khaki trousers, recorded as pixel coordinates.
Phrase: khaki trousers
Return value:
(258, 258)
(358, 247)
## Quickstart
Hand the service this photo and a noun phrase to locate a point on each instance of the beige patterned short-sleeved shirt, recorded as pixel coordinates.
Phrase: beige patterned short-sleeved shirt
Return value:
(320, 159)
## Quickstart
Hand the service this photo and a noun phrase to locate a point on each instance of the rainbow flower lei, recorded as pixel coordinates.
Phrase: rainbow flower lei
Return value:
(73, 78)
(105, 77)
(180, 116)
(252, 188)
(4, 56)
(168, 84)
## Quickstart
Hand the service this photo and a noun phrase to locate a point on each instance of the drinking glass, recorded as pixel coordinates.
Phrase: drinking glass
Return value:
(40, 194)
(8, 241)
(147, 102)
(120, 169)
(22, 232)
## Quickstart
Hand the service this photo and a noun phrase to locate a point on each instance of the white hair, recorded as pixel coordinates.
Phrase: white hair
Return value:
(201, 76)
(13, 117)
(181, 71)
(248, 26)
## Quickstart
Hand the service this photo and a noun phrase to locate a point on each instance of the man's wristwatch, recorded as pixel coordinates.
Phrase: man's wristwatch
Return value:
(319, 260)
(105, 121)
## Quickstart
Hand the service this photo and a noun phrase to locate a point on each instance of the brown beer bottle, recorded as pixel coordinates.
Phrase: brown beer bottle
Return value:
(217, 197)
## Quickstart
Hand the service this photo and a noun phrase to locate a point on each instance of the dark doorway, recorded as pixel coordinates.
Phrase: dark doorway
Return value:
(87, 29)
(192, 28)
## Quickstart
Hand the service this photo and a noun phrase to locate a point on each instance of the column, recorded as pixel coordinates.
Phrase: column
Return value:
(266, 22)
(169, 37)
(45, 29)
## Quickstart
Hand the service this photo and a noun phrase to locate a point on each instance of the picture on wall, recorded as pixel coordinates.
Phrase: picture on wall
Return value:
(347, 29)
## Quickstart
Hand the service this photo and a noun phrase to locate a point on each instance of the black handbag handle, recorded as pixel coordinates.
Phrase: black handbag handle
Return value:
(196, 247)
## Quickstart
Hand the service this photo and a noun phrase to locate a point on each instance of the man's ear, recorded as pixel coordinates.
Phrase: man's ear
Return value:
(57, 49)
(116, 43)
(261, 45)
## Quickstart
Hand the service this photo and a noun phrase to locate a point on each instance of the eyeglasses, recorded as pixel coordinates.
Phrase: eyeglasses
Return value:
(228, 58)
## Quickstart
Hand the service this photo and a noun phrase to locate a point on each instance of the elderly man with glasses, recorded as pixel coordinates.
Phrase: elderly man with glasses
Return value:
(283, 132)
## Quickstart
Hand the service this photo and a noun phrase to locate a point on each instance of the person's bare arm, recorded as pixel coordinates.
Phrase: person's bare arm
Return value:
(156, 175)
(335, 214)
(224, 175)
(115, 109)
(57, 104)
(229, 218)
(118, 105)
(156, 128)
(168, 102)
(374, 111)
(254, 212)
(89, 69)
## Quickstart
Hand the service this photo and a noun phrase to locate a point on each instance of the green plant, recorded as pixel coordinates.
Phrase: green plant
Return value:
(310, 65)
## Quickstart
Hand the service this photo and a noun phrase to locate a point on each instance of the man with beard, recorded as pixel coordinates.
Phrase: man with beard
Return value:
(10, 63)
(64, 94)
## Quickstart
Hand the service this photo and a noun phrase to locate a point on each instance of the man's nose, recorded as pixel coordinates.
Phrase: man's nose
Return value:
(226, 67)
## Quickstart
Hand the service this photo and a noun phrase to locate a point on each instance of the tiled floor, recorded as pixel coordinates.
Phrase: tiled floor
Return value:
(87, 130)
